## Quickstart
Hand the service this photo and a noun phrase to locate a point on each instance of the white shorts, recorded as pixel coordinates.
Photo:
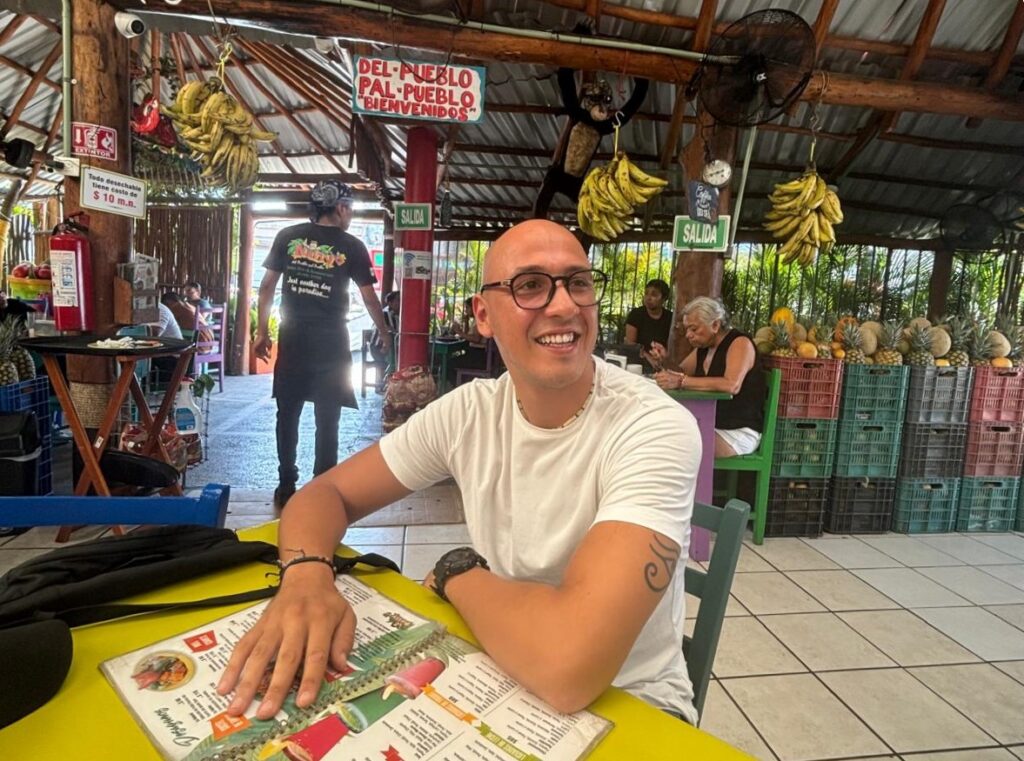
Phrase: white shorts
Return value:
(742, 440)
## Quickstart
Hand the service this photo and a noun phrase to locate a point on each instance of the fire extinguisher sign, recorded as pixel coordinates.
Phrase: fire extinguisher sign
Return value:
(64, 278)
(112, 192)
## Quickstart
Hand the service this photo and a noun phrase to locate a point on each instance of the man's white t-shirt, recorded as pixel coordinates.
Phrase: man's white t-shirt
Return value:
(531, 494)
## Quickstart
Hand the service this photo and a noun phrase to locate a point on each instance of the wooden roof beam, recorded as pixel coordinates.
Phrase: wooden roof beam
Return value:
(12, 26)
(1001, 65)
(179, 62)
(823, 22)
(306, 17)
(30, 90)
(43, 21)
(881, 121)
(701, 38)
(54, 127)
(155, 45)
(22, 69)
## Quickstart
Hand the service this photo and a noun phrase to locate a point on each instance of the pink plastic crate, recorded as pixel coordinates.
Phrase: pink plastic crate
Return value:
(998, 394)
(810, 387)
(994, 448)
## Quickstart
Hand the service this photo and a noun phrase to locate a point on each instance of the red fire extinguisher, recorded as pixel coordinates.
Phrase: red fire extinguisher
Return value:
(71, 274)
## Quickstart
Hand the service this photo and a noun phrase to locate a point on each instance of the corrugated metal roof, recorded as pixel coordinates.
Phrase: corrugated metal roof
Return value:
(965, 25)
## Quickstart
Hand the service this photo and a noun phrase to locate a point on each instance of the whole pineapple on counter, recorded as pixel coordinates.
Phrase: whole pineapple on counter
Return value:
(959, 336)
(818, 335)
(781, 340)
(920, 340)
(853, 344)
(8, 369)
(1014, 335)
(889, 336)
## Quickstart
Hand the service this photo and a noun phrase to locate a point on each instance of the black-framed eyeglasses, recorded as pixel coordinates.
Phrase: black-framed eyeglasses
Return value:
(534, 290)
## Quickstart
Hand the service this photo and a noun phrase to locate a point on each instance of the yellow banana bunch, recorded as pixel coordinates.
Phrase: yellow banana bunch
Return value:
(804, 213)
(220, 133)
(610, 195)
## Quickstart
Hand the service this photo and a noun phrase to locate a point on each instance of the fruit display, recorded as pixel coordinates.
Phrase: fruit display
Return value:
(890, 335)
(610, 195)
(29, 281)
(781, 346)
(220, 133)
(959, 335)
(804, 214)
(1014, 335)
(919, 339)
(853, 344)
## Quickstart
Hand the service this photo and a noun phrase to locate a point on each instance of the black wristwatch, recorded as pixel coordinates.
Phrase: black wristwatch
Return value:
(454, 562)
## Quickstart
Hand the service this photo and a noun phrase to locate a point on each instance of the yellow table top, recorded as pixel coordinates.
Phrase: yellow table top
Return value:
(86, 719)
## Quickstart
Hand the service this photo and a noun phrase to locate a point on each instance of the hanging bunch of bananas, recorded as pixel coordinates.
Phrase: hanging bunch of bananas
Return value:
(610, 195)
(804, 212)
(220, 133)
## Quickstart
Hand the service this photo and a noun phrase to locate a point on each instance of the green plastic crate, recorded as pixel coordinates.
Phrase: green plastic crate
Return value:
(868, 449)
(874, 393)
(925, 505)
(804, 447)
(987, 504)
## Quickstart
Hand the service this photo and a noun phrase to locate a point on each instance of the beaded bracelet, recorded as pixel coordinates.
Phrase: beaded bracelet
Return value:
(305, 559)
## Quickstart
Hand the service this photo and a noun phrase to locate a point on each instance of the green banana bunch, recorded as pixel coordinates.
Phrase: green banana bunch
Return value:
(220, 133)
(804, 214)
(610, 195)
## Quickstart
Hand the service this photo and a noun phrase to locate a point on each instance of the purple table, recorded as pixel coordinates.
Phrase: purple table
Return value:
(702, 405)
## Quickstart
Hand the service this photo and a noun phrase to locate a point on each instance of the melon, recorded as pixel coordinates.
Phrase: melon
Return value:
(764, 347)
(798, 333)
(1000, 346)
(868, 342)
(764, 334)
(941, 343)
(872, 327)
(807, 350)
(940, 363)
(922, 321)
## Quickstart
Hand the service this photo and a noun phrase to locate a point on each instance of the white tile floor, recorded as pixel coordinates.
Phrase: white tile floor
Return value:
(881, 647)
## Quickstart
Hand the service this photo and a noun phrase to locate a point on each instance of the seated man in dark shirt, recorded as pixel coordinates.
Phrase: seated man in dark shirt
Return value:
(722, 359)
(10, 307)
(651, 322)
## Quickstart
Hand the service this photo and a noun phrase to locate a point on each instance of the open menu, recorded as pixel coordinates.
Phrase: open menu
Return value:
(410, 691)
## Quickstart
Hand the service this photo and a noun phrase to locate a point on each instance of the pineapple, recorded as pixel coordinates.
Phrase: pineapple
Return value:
(853, 345)
(19, 354)
(780, 340)
(817, 334)
(979, 347)
(959, 334)
(920, 340)
(888, 355)
(8, 370)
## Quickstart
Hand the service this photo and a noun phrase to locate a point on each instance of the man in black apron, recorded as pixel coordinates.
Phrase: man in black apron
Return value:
(318, 259)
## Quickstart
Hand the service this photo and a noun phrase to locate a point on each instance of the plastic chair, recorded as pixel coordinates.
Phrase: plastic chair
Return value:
(209, 509)
(488, 371)
(712, 589)
(759, 461)
(212, 352)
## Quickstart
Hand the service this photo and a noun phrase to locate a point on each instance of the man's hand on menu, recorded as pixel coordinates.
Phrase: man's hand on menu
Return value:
(306, 625)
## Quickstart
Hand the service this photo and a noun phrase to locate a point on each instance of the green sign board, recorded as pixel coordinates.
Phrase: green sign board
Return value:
(413, 216)
(694, 235)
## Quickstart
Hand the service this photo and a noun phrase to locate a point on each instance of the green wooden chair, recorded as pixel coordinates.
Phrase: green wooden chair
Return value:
(760, 462)
(712, 589)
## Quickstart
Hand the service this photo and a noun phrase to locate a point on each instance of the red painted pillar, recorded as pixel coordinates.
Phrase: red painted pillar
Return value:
(420, 187)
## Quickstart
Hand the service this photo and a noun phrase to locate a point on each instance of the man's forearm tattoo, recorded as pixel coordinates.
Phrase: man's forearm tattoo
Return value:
(658, 573)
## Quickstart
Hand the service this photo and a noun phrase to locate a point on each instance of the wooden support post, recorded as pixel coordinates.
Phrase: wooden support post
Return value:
(101, 97)
(240, 334)
(938, 286)
(387, 275)
(1004, 57)
(699, 273)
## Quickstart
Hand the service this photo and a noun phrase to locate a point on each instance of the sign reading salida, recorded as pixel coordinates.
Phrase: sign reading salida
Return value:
(418, 90)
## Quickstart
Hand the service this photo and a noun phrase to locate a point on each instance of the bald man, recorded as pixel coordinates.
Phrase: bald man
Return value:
(577, 480)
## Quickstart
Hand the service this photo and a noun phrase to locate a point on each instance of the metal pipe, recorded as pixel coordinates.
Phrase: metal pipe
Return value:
(536, 34)
(66, 81)
(743, 186)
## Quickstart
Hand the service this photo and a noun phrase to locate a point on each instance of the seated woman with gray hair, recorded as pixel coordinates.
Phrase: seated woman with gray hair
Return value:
(722, 359)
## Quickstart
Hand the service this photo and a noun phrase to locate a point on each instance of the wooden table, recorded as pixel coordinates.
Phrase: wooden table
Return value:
(445, 350)
(702, 405)
(91, 450)
(87, 720)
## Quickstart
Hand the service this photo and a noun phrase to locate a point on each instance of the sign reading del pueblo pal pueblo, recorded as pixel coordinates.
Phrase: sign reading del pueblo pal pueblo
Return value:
(387, 87)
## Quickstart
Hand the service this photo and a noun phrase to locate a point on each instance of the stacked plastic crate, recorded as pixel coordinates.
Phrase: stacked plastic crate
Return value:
(928, 488)
(804, 445)
(34, 396)
(871, 415)
(995, 451)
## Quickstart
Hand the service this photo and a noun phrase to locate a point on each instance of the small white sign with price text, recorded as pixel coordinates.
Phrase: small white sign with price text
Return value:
(114, 193)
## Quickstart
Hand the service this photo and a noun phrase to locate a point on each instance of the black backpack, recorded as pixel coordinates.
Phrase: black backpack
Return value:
(41, 599)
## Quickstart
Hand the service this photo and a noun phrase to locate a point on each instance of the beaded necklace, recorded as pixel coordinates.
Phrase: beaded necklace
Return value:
(570, 420)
